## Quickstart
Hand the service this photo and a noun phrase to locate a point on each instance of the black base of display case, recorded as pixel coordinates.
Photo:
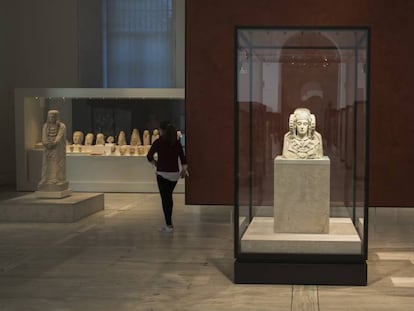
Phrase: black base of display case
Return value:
(300, 273)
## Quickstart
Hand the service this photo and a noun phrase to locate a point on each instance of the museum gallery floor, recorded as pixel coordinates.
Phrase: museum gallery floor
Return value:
(116, 259)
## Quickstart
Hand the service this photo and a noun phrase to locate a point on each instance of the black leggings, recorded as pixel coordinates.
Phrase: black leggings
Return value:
(166, 188)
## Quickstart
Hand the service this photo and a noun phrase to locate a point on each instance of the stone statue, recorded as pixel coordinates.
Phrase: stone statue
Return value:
(100, 139)
(121, 138)
(77, 138)
(155, 135)
(89, 139)
(302, 141)
(135, 138)
(110, 140)
(123, 149)
(146, 138)
(54, 154)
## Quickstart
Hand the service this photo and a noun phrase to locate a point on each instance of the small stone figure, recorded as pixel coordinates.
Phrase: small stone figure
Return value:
(89, 139)
(302, 141)
(146, 138)
(155, 135)
(110, 140)
(135, 138)
(121, 138)
(123, 149)
(141, 150)
(77, 138)
(100, 139)
(53, 178)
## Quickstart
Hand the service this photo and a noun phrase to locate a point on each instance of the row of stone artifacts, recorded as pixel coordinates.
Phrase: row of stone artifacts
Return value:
(147, 139)
(101, 146)
(108, 149)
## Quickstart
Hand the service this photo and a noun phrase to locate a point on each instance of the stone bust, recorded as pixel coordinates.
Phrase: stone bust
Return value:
(302, 141)
(89, 139)
(100, 139)
(121, 138)
(135, 138)
(146, 138)
(155, 135)
(77, 138)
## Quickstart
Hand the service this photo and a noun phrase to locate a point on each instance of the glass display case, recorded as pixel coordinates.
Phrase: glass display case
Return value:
(108, 133)
(301, 155)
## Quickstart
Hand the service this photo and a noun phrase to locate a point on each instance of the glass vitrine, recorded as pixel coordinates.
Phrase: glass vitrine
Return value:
(301, 155)
(97, 159)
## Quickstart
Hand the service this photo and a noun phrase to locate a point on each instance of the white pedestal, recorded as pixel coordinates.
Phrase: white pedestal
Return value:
(341, 239)
(29, 208)
(301, 196)
(53, 194)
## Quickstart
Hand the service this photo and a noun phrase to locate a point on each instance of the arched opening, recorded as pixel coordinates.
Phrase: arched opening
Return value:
(310, 66)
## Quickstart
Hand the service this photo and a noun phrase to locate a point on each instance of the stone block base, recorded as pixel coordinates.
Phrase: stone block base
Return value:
(53, 194)
(341, 239)
(29, 208)
(301, 196)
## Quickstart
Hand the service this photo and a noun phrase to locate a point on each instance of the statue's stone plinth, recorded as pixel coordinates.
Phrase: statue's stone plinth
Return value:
(29, 208)
(53, 194)
(53, 191)
(301, 196)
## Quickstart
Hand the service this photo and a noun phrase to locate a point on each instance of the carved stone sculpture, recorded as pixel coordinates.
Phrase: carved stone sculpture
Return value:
(77, 138)
(141, 150)
(155, 135)
(89, 139)
(146, 138)
(110, 140)
(302, 141)
(135, 138)
(302, 179)
(100, 139)
(123, 149)
(121, 138)
(53, 178)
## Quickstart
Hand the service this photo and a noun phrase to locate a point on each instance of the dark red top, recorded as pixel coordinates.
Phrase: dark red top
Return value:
(168, 155)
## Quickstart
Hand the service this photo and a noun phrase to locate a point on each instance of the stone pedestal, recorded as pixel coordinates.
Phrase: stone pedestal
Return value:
(301, 196)
(29, 208)
(341, 239)
(53, 194)
(53, 191)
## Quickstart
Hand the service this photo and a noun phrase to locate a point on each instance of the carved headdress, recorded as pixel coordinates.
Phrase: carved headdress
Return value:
(302, 114)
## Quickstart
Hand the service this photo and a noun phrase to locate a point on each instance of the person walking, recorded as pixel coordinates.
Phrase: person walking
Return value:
(164, 155)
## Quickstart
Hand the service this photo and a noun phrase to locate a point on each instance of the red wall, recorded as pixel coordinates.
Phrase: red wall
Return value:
(210, 28)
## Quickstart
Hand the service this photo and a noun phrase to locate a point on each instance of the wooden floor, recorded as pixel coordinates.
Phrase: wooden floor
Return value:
(117, 260)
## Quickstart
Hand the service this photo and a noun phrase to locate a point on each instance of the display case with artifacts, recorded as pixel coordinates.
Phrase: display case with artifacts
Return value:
(94, 161)
(301, 213)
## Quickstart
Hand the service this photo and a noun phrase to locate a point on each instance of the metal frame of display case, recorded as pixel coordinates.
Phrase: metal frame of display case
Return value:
(299, 268)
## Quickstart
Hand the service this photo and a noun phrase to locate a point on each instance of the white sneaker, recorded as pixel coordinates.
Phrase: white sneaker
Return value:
(167, 229)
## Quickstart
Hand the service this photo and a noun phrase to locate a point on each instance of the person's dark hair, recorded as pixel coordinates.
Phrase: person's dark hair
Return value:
(164, 125)
(170, 132)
